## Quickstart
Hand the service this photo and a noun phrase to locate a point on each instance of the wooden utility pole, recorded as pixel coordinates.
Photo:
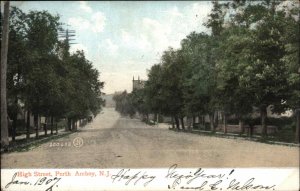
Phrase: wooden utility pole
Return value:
(4, 49)
(67, 35)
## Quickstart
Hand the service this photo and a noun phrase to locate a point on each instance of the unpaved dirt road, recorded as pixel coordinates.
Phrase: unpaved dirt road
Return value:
(114, 141)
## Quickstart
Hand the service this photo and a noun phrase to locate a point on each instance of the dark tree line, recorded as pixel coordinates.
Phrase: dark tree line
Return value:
(43, 77)
(250, 59)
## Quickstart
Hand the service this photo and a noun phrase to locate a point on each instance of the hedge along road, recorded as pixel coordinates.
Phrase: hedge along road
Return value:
(112, 141)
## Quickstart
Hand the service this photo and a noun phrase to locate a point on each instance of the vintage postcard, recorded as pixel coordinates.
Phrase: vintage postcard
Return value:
(150, 95)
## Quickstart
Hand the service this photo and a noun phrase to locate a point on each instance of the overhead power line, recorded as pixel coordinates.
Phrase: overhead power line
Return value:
(67, 34)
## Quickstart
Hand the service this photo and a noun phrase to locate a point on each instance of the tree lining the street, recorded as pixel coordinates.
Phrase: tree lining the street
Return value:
(44, 78)
(248, 62)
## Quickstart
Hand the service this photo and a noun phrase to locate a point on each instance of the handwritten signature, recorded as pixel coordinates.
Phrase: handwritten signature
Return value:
(199, 173)
(135, 177)
(210, 181)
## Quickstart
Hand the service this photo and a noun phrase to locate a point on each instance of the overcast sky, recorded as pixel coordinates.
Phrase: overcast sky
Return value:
(124, 39)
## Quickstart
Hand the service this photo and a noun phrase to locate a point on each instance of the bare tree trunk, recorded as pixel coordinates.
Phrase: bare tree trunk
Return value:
(28, 125)
(69, 124)
(16, 112)
(225, 123)
(297, 125)
(216, 120)
(202, 117)
(194, 121)
(263, 114)
(4, 50)
(14, 128)
(200, 122)
(74, 127)
(211, 121)
(45, 129)
(173, 125)
(241, 126)
(189, 121)
(51, 125)
(182, 123)
(36, 125)
(177, 122)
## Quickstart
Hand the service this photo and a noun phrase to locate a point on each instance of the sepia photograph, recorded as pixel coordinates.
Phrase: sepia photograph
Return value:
(150, 95)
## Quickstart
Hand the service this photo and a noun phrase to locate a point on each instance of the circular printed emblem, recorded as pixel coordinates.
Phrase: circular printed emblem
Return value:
(78, 142)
